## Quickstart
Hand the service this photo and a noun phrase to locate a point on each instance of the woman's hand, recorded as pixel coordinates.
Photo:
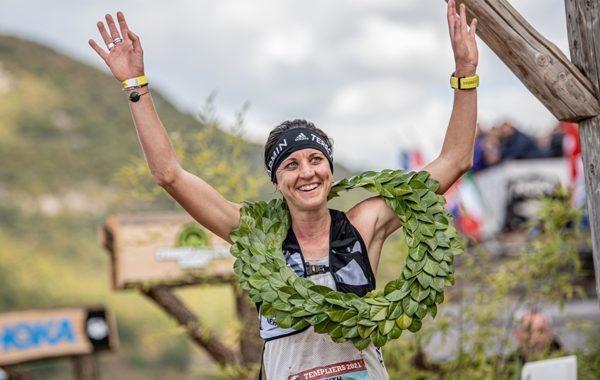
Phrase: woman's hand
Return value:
(125, 57)
(462, 37)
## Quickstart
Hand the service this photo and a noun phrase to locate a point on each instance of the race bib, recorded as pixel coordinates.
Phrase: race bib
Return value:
(352, 370)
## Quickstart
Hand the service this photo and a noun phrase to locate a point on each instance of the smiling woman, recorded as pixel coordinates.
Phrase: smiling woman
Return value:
(335, 250)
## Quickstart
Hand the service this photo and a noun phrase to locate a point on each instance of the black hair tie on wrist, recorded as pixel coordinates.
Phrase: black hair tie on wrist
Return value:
(135, 96)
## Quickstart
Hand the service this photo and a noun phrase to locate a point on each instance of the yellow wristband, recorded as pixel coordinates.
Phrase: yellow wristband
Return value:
(464, 83)
(134, 82)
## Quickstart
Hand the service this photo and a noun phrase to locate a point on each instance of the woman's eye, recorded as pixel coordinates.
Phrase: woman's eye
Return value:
(291, 165)
(317, 159)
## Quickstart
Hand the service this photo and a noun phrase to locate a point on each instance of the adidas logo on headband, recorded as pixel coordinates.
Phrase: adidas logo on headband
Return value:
(301, 137)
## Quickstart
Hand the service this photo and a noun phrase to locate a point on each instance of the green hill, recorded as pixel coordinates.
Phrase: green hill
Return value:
(65, 131)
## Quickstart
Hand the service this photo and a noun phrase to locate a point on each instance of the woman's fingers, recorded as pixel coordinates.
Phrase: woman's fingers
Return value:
(473, 27)
(135, 40)
(98, 49)
(123, 26)
(451, 16)
(463, 17)
(114, 32)
(104, 34)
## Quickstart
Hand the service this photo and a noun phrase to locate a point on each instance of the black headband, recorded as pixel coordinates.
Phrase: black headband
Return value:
(291, 141)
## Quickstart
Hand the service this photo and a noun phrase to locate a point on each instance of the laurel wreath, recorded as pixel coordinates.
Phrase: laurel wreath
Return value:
(380, 315)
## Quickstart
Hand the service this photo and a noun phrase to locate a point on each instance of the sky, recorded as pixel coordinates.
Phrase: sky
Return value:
(372, 73)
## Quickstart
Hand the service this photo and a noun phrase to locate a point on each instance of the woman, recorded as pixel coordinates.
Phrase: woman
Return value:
(299, 160)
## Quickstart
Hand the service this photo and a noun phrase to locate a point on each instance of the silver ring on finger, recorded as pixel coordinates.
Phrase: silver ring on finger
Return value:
(110, 46)
(117, 40)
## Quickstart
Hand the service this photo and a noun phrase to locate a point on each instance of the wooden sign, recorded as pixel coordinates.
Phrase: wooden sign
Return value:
(167, 248)
(41, 334)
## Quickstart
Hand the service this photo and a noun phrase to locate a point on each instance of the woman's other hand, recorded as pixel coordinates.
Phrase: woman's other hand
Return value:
(462, 37)
(123, 55)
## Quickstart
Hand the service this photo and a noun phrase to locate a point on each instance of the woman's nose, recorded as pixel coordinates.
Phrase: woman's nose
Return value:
(306, 170)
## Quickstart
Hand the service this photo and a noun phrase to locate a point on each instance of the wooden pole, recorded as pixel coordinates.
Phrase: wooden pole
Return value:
(250, 341)
(567, 93)
(583, 25)
(165, 298)
(85, 367)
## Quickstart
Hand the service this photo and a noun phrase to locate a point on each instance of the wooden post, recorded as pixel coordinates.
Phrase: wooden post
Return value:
(583, 25)
(85, 367)
(250, 340)
(537, 62)
(163, 296)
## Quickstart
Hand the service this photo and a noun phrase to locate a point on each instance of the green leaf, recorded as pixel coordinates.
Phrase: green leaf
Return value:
(298, 312)
(418, 294)
(397, 295)
(337, 332)
(317, 293)
(365, 331)
(403, 321)
(317, 319)
(324, 327)
(336, 315)
(424, 279)
(378, 339)
(386, 326)
(361, 344)
(437, 255)
(350, 332)
(269, 296)
(349, 322)
(300, 288)
(421, 311)
(257, 281)
(431, 266)
(367, 323)
(267, 310)
(415, 326)
(283, 306)
(432, 310)
(286, 322)
(417, 253)
(301, 324)
(395, 310)
(378, 313)
(395, 333)
(409, 306)
(335, 299)
(377, 301)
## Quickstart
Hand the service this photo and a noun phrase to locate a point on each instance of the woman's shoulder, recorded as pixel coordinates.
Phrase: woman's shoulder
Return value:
(372, 217)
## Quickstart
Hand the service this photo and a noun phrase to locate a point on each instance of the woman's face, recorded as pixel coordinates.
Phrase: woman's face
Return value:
(304, 178)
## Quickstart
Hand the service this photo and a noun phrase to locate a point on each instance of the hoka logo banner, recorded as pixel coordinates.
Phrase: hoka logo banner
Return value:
(301, 137)
(33, 335)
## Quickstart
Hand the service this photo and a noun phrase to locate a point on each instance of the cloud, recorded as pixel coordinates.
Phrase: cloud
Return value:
(374, 73)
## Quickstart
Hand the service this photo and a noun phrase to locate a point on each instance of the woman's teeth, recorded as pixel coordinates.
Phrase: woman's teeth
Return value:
(308, 187)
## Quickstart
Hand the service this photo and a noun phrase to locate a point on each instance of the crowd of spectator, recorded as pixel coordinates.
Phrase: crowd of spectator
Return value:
(506, 142)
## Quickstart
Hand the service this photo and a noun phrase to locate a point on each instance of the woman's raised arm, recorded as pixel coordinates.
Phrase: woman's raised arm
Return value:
(456, 156)
(125, 60)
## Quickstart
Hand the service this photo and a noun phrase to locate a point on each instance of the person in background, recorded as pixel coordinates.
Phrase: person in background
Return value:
(534, 336)
(515, 144)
